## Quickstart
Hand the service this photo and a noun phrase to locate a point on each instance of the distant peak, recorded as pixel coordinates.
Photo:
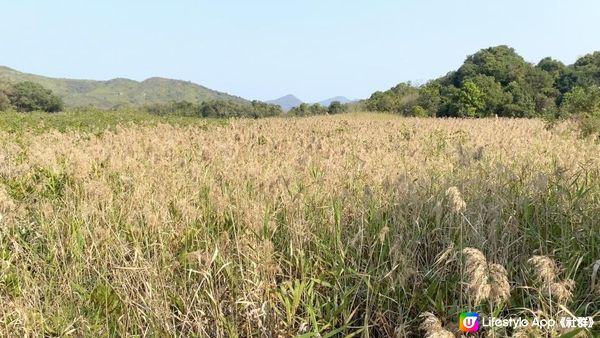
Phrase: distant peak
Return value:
(341, 99)
(287, 102)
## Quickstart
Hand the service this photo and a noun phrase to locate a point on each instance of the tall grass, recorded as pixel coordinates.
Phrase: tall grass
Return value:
(91, 120)
(340, 226)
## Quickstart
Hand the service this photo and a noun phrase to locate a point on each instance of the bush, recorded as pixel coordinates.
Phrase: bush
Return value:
(581, 100)
(29, 96)
(419, 111)
(589, 125)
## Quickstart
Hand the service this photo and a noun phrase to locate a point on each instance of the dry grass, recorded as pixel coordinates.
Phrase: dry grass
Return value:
(278, 227)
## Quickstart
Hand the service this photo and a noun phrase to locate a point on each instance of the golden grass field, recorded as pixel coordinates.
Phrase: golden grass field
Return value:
(354, 225)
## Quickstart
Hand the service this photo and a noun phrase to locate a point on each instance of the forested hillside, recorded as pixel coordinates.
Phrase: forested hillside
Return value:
(119, 92)
(498, 81)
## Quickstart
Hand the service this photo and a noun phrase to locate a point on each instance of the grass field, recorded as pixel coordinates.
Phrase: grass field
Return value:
(353, 225)
(91, 121)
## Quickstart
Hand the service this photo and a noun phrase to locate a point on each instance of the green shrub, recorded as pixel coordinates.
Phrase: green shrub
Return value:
(29, 96)
(581, 100)
(589, 125)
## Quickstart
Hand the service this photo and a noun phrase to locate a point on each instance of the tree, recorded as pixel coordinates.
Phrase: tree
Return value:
(336, 107)
(494, 97)
(501, 62)
(429, 99)
(585, 72)
(497, 80)
(262, 109)
(470, 100)
(553, 67)
(522, 104)
(317, 109)
(29, 96)
(399, 99)
(582, 100)
(587, 69)
(302, 110)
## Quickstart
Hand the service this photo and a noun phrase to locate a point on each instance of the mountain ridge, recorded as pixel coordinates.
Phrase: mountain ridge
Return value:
(119, 91)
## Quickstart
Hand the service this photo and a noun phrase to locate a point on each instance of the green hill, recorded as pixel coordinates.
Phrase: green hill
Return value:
(119, 92)
(497, 81)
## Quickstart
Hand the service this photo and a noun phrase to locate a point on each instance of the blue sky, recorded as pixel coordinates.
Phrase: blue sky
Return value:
(265, 49)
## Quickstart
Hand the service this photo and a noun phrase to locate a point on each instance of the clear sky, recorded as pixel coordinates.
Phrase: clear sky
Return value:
(264, 49)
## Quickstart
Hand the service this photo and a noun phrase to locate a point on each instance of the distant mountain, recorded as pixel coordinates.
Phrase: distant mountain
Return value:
(287, 102)
(290, 101)
(116, 92)
(341, 99)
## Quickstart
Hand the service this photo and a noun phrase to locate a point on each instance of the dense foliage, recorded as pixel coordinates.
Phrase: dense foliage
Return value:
(305, 109)
(218, 108)
(498, 81)
(255, 109)
(29, 96)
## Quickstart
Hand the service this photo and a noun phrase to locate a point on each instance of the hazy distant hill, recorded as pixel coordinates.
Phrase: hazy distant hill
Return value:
(290, 101)
(287, 102)
(341, 99)
(107, 94)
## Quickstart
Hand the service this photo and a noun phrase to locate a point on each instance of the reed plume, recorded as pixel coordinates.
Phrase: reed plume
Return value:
(455, 200)
(484, 281)
(432, 327)
(546, 272)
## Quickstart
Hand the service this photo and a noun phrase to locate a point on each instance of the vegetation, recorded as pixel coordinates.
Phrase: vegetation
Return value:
(305, 109)
(30, 96)
(92, 121)
(400, 99)
(369, 225)
(336, 107)
(220, 109)
(119, 92)
(498, 81)
(347, 225)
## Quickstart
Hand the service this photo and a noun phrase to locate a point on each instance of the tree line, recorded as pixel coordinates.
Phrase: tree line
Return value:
(305, 109)
(254, 109)
(216, 109)
(495, 81)
(498, 81)
(29, 96)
